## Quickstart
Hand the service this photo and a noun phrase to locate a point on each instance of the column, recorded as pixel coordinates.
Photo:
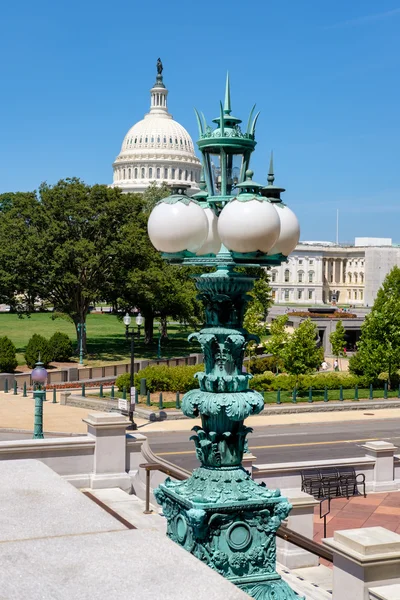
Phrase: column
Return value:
(383, 453)
(341, 280)
(363, 558)
(301, 520)
(326, 269)
(109, 463)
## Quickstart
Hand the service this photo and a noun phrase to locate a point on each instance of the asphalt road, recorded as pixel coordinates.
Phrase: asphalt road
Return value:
(289, 443)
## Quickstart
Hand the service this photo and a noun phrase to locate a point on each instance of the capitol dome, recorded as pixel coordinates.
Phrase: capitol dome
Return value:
(157, 148)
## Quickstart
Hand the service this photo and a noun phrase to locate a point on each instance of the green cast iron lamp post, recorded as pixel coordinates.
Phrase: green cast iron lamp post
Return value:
(39, 377)
(220, 514)
(130, 333)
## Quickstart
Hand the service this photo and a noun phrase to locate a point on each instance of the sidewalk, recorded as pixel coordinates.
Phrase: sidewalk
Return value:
(17, 412)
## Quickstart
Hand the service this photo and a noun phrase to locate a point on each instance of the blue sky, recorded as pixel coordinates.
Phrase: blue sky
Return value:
(74, 77)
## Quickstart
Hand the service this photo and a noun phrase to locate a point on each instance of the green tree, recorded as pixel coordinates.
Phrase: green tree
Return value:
(8, 361)
(338, 340)
(37, 345)
(60, 347)
(378, 350)
(301, 354)
(278, 339)
(62, 244)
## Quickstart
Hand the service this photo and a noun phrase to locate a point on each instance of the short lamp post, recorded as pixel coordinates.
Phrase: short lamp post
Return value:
(39, 377)
(159, 342)
(81, 332)
(131, 333)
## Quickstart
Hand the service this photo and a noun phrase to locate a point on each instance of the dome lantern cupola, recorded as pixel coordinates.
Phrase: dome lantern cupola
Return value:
(157, 148)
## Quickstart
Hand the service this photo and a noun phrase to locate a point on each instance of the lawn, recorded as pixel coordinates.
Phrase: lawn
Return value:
(105, 337)
(318, 395)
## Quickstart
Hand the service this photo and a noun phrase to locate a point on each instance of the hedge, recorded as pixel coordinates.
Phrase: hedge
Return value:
(160, 378)
(8, 361)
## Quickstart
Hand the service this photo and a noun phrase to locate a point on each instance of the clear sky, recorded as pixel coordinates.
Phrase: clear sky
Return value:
(75, 75)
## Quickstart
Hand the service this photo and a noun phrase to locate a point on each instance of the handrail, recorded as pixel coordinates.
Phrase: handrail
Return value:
(283, 532)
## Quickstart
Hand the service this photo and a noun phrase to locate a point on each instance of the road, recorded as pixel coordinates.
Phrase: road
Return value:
(288, 443)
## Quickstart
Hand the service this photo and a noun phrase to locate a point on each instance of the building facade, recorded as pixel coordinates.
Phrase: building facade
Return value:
(157, 148)
(325, 273)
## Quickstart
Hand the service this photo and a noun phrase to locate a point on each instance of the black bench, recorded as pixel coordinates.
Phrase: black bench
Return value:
(332, 482)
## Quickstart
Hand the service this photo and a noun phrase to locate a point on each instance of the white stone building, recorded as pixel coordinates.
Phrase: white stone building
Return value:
(324, 272)
(157, 148)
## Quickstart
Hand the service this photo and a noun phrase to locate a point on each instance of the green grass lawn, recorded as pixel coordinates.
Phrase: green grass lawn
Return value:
(105, 337)
(318, 395)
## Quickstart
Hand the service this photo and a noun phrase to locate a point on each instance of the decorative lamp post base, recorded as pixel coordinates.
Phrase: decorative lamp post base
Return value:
(229, 522)
(220, 514)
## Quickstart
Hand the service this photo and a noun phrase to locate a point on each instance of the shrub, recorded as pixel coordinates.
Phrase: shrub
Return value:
(37, 344)
(262, 381)
(60, 347)
(266, 363)
(8, 360)
(160, 378)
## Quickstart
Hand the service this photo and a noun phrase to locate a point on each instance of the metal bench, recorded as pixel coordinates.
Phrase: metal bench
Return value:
(332, 482)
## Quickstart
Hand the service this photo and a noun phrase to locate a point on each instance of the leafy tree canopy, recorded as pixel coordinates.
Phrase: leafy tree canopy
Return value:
(301, 354)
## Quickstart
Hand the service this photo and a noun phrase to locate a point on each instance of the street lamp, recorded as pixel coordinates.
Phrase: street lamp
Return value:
(159, 342)
(39, 377)
(220, 511)
(130, 333)
(81, 331)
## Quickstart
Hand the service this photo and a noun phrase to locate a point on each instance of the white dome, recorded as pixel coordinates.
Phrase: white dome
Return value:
(157, 148)
(290, 231)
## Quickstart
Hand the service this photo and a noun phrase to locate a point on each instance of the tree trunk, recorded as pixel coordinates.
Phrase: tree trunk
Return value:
(148, 328)
(164, 328)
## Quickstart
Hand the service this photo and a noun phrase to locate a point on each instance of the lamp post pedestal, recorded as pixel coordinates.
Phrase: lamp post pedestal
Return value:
(38, 422)
(220, 514)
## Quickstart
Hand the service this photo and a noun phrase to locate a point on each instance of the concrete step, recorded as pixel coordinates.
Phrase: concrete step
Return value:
(130, 508)
(312, 583)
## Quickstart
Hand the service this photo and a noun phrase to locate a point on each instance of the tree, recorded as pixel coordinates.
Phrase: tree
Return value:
(8, 361)
(60, 347)
(338, 340)
(61, 245)
(378, 350)
(278, 339)
(301, 354)
(37, 346)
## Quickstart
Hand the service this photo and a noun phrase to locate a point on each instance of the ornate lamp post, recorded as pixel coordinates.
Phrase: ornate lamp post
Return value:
(130, 333)
(39, 377)
(220, 514)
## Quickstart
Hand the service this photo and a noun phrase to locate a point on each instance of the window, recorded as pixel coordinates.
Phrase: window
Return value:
(273, 276)
(124, 173)
(143, 173)
(146, 139)
(165, 139)
(165, 173)
(299, 294)
(176, 141)
(311, 277)
(273, 294)
(150, 172)
(349, 277)
(361, 277)
(180, 174)
(300, 276)
(172, 173)
(355, 278)
(141, 140)
(348, 294)
(135, 140)
(129, 173)
(186, 175)
(136, 173)
(158, 175)
(287, 275)
(311, 261)
(152, 139)
(300, 261)
(355, 294)
(286, 294)
(170, 140)
(158, 139)
(361, 295)
(310, 294)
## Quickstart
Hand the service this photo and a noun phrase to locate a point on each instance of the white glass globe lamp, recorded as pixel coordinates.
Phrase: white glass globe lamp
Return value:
(176, 224)
(139, 320)
(249, 223)
(290, 230)
(127, 320)
(212, 244)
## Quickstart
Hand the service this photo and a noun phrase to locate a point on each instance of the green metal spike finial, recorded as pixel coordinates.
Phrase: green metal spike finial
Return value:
(227, 104)
(271, 176)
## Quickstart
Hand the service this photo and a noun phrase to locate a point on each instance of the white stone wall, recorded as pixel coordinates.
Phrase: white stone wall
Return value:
(379, 262)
